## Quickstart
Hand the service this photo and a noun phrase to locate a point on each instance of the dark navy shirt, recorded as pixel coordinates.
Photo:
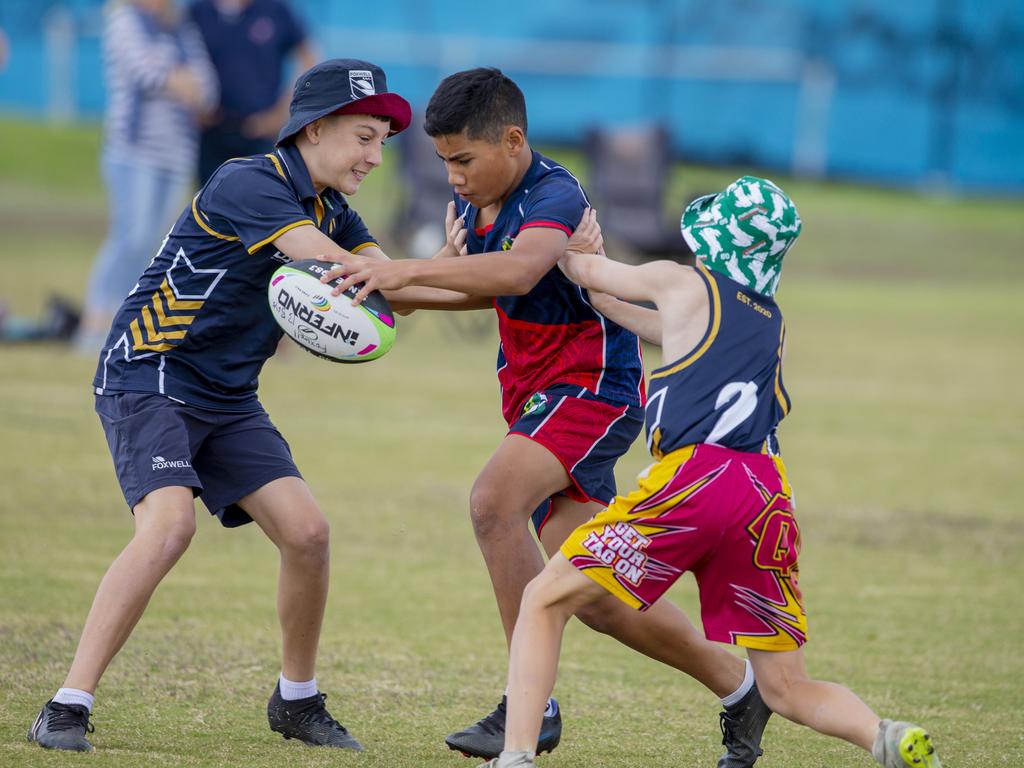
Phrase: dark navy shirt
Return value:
(728, 390)
(197, 327)
(552, 335)
(248, 50)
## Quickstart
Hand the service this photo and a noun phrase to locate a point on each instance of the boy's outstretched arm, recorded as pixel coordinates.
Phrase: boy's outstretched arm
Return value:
(405, 300)
(503, 273)
(310, 243)
(658, 282)
(643, 321)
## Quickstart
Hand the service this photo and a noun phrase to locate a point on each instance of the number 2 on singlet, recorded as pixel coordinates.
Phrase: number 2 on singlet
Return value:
(738, 412)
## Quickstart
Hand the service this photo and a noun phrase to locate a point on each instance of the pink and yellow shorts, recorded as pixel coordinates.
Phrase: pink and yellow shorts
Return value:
(724, 515)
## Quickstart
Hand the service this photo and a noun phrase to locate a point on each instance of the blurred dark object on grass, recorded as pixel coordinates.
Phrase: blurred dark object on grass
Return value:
(58, 323)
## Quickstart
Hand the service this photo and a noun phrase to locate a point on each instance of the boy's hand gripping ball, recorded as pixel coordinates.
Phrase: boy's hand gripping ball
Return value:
(329, 326)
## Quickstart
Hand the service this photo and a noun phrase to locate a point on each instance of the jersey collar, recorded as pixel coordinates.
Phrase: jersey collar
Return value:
(298, 173)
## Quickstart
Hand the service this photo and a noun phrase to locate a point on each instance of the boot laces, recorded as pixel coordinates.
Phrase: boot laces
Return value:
(61, 717)
(315, 713)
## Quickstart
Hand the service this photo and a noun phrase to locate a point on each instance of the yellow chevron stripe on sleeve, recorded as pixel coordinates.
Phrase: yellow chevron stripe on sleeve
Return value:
(139, 345)
(360, 247)
(174, 304)
(153, 333)
(162, 319)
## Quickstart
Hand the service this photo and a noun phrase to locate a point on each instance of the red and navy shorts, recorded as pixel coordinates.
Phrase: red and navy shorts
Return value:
(157, 442)
(586, 433)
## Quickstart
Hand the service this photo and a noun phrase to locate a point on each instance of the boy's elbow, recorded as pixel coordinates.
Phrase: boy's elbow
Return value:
(518, 288)
(521, 284)
(581, 273)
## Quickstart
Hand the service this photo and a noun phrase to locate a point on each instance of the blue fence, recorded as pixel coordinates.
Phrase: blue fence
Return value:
(914, 93)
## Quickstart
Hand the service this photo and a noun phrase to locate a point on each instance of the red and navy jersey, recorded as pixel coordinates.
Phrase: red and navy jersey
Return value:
(727, 391)
(197, 327)
(552, 335)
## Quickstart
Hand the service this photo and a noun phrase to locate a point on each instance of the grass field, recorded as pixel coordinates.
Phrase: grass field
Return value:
(905, 357)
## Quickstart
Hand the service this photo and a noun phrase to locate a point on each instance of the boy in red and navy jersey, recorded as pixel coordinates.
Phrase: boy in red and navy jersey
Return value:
(572, 384)
(551, 334)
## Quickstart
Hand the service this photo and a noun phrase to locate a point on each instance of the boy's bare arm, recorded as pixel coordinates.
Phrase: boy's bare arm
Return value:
(412, 297)
(500, 273)
(677, 291)
(643, 321)
(310, 243)
(646, 282)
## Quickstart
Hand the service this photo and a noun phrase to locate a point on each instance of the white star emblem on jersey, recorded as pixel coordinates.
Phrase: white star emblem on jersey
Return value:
(192, 278)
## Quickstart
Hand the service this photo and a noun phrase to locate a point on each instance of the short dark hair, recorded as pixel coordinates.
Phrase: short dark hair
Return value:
(481, 102)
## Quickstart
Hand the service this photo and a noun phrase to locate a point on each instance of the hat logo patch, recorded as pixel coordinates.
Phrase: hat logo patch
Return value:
(361, 82)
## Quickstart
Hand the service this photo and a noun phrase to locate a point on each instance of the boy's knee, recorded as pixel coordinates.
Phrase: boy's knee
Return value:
(535, 594)
(311, 538)
(605, 615)
(596, 619)
(172, 536)
(488, 510)
(542, 595)
(776, 681)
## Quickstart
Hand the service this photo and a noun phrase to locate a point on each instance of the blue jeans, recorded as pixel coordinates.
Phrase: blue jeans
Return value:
(144, 203)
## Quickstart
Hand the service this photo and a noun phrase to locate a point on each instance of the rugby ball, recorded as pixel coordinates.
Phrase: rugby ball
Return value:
(329, 326)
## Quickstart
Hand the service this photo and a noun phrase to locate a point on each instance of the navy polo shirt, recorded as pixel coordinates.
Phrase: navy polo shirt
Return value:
(197, 327)
(249, 50)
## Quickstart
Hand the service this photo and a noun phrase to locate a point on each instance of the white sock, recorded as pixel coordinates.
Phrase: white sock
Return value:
(515, 759)
(74, 696)
(291, 690)
(745, 686)
(549, 709)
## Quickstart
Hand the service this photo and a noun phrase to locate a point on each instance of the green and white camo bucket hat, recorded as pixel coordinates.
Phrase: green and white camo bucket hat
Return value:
(743, 232)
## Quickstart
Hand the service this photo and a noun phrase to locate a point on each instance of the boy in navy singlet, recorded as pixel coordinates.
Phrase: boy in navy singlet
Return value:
(571, 385)
(176, 388)
(716, 501)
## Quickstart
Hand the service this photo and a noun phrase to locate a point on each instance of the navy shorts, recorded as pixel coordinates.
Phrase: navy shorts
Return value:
(586, 433)
(157, 442)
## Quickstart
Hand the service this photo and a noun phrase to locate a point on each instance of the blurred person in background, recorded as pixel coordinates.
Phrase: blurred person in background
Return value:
(250, 42)
(159, 81)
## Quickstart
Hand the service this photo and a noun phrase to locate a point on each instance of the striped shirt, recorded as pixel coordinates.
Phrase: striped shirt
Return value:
(143, 123)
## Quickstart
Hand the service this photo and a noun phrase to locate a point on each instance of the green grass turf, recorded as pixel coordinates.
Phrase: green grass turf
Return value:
(903, 447)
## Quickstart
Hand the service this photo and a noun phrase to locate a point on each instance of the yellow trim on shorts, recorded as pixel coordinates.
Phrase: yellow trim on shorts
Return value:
(281, 231)
(780, 641)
